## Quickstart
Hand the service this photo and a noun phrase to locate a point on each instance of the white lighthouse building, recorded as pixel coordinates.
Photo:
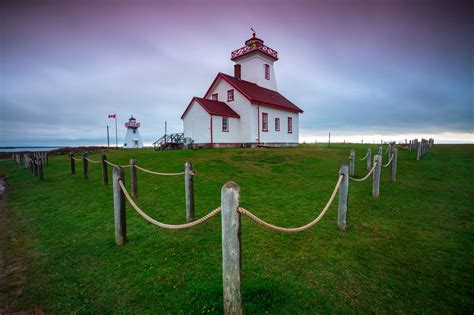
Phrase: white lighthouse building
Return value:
(132, 138)
(246, 108)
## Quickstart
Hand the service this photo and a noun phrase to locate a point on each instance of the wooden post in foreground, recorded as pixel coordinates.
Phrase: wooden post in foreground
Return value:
(369, 159)
(86, 165)
(343, 199)
(40, 170)
(133, 179)
(393, 166)
(230, 200)
(119, 207)
(376, 177)
(73, 164)
(352, 162)
(189, 191)
(105, 174)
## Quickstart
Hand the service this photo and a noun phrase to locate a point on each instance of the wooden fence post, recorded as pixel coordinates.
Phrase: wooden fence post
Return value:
(389, 151)
(46, 158)
(418, 152)
(119, 207)
(73, 164)
(380, 151)
(369, 159)
(40, 170)
(376, 177)
(352, 157)
(133, 179)
(343, 199)
(30, 163)
(230, 200)
(35, 166)
(189, 190)
(105, 174)
(393, 167)
(86, 165)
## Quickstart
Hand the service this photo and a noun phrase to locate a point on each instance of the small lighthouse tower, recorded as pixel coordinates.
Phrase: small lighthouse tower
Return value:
(132, 138)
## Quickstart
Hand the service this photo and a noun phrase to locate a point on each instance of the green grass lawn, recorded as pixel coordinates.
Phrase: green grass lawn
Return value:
(408, 251)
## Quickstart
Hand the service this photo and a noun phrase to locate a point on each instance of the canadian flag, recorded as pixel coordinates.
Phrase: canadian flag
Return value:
(112, 116)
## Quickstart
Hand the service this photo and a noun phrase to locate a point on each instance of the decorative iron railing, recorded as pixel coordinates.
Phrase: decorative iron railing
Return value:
(246, 49)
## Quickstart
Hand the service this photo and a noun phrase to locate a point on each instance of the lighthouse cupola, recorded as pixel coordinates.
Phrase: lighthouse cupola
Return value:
(254, 63)
(132, 138)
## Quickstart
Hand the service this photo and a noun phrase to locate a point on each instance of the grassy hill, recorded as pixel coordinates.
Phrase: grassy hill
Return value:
(410, 250)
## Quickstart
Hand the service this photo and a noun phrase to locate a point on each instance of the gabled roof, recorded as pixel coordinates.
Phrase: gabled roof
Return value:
(213, 108)
(256, 94)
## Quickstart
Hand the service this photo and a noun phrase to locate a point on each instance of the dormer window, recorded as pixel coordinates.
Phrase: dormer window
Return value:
(230, 95)
(214, 97)
(267, 72)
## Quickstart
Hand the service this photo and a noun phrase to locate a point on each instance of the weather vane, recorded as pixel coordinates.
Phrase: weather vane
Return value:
(254, 33)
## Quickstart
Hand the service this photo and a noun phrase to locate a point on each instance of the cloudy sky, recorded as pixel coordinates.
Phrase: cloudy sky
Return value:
(359, 69)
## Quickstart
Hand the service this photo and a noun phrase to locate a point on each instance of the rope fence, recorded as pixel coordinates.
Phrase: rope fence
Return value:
(388, 163)
(231, 211)
(422, 147)
(34, 162)
(158, 173)
(364, 157)
(275, 228)
(365, 177)
(92, 161)
(164, 225)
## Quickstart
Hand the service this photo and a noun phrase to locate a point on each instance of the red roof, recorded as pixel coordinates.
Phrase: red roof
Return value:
(213, 108)
(257, 95)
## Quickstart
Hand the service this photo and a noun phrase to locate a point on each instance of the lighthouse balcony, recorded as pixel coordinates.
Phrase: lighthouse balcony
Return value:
(247, 49)
(132, 125)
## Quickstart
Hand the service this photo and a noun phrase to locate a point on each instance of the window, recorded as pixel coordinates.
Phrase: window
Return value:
(225, 124)
(267, 72)
(230, 95)
(290, 125)
(277, 124)
(214, 97)
(264, 122)
(134, 130)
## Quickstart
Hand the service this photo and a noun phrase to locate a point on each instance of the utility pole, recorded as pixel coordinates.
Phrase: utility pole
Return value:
(116, 135)
(329, 141)
(108, 140)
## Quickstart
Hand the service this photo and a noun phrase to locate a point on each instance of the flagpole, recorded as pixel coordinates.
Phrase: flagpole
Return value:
(108, 141)
(116, 137)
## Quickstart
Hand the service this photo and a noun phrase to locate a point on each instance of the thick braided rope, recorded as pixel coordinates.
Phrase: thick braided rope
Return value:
(164, 225)
(112, 164)
(386, 151)
(76, 159)
(366, 176)
(388, 163)
(364, 157)
(92, 161)
(157, 173)
(298, 229)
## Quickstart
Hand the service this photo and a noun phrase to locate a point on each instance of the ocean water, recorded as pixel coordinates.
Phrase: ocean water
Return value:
(27, 149)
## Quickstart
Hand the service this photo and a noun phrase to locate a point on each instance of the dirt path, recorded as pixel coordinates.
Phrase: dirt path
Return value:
(12, 271)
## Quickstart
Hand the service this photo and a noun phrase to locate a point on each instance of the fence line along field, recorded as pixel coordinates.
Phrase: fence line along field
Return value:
(404, 242)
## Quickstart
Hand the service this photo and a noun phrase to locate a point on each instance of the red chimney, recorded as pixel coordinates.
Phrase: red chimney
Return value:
(237, 71)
